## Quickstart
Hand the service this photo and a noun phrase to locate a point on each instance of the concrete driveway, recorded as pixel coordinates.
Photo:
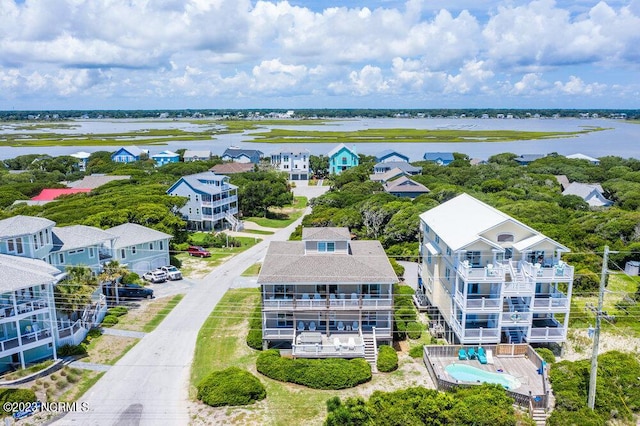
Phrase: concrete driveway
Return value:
(150, 384)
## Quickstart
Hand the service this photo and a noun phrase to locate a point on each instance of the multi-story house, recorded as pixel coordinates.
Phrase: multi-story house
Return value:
(27, 311)
(193, 155)
(294, 163)
(342, 158)
(391, 155)
(26, 236)
(165, 157)
(129, 154)
(440, 158)
(490, 278)
(80, 245)
(212, 200)
(327, 296)
(139, 248)
(83, 160)
(239, 155)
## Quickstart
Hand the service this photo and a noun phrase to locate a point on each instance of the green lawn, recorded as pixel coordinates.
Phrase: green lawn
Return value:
(281, 217)
(160, 316)
(626, 319)
(218, 255)
(252, 270)
(258, 232)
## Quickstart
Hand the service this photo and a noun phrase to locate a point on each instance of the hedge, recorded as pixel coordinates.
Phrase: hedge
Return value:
(547, 355)
(254, 337)
(387, 359)
(16, 395)
(414, 330)
(232, 386)
(416, 351)
(330, 373)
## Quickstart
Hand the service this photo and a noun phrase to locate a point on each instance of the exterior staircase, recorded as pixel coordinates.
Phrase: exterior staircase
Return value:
(236, 224)
(371, 351)
(539, 416)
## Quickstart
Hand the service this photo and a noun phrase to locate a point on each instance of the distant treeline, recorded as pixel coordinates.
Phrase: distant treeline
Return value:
(53, 115)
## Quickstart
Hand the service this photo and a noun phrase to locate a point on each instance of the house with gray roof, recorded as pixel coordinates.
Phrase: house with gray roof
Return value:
(526, 159)
(405, 187)
(27, 311)
(212, 201)
(326, 295)
(139, 248)
(26, 236)
(592, 193)
(580, 156)
(80, 245)
(195, 155)
(385, 166)
(240, 155)
(440, 158)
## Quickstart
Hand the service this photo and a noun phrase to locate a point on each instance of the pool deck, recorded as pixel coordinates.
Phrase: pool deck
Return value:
(519, 366)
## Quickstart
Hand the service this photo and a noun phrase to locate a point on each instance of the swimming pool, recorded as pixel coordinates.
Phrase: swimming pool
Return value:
(467, 373)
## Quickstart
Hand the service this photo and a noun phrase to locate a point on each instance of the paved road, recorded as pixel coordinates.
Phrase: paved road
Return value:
(149, 385)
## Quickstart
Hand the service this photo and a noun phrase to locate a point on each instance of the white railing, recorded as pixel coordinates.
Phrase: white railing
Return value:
(9, 344)
(482, 303)
(478, 274)
(24, 306)
(518, 287)
(555, 301)
(219, 203)
(516, 318)
(277, 304)
(377, 303)
(546, 334)
(328, 350)
(481, 335)
(72, 335)
(383, 331)
(324, 303)
(281, 333)
(560, 272)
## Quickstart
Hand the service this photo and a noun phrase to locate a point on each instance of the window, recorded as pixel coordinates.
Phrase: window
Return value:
(428, 257)
(505, 238)
(19, 248)
(161, 245)
(326, 246)
(344, 160)
(536, 257)
(473, 288)
(133, 249)
(123, 253)
(151, 246)
(426, 229)
(46, 233)
(437, 239)
(92, 252)
(41, 239)
(11, 246)
(448, 251)
(60, 258)
(447, 274)
(474, 258)
(35, 241)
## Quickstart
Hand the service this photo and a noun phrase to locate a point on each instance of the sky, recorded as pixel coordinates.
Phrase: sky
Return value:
(216, 54)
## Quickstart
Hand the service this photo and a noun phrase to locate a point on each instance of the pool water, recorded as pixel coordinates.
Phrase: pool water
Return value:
(467, 373)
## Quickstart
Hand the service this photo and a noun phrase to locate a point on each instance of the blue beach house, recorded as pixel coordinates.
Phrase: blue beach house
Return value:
(165, 157)
(128, 154)
(342, 158)
(440, 158)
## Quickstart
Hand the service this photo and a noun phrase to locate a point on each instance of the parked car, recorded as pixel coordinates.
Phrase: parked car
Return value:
(134, 291)
(172, 272)
(198, 251)
(155, 276)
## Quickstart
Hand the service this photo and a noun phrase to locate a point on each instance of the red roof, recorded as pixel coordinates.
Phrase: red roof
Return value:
(51, 194)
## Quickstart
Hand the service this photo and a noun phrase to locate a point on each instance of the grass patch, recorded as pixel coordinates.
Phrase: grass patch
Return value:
(160, 316)
(281, 217)
(23, 372)
(218, 255)
(258, 231)
(87, 380)
(252, 270)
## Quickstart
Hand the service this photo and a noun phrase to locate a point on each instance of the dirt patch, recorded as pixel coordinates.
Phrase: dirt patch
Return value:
(580, 346)
(196, 268)
(140, 314)
(107, 348)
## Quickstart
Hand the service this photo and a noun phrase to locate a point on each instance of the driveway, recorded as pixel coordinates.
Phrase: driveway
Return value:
(150, 384)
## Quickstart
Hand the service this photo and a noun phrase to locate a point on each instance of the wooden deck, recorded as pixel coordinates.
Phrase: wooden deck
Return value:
(523, 366)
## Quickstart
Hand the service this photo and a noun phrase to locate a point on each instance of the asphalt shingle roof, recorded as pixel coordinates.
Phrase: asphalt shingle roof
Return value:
(130, 234)
(21, 272)
(326, 234)
(404, 184)
(22, 225)
(78, 236)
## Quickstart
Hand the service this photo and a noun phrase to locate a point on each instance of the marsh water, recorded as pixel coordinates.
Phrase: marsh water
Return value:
(621, 138)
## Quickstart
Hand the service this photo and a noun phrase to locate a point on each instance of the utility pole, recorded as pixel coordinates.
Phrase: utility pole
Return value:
(591, 400)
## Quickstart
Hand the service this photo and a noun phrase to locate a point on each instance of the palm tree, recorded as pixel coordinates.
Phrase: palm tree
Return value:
(74, 292)
(113, 273)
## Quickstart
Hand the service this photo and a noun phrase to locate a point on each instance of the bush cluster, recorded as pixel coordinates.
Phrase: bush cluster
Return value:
(72, 350)
(331, 373)
(547, 355)
(232, 386)
(111, 318)
(416, 351)
(387, 359)
(254, 337)
(15, 395)
(405, 313)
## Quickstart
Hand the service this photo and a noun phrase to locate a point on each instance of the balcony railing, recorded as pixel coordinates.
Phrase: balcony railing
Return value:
(313, 303)
(218, 203)
(489, 303)
(72, 335)
(278, 333)
(5, 345)
(489, 273)
(516, 318)
(547, 334)
(24, 306)
(551, 302)
(481, 335)
(518, 288)
(554, 273)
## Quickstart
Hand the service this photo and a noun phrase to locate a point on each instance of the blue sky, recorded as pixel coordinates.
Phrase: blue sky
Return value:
(173, 54)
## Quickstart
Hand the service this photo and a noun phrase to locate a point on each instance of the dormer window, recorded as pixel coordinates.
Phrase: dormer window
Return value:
(505, 238)
(326, 247)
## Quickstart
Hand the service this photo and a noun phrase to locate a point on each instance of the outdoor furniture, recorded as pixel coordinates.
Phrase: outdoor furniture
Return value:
(489, 356)
(312, 326)
(462, 354)
(471, 353)
(300, 325)
(340, 326)
(317, 296)
(336, 343)
(305, 296)
(351, 344)
(355, 326)
(482, 356)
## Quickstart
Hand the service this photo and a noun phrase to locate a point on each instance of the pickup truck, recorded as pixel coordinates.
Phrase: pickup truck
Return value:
(172, 272)
(134, 291)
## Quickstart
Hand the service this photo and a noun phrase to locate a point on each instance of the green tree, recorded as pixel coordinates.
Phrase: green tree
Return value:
(74, 293)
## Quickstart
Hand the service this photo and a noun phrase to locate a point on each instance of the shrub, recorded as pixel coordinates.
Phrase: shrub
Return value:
(131, 278)
(414, 330)
(61, 384)
(547, 355)
(16, 395)
(331, 373)
(232, 386)
(175, 261)
(71, 350)
(109, 320)
(416, 351)
(117, 311)
(254, 337)
(387, 359)
(397, 268)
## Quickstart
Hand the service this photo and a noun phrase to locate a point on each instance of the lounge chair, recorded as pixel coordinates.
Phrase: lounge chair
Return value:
(462, 354)
(305, 296)
(355, 326)
(312, 326)
(340, 326)
(482, 356)
(351, 343)
(317, 296)
(300, 325)
(336, 343)
(472, 353)
(489, 356)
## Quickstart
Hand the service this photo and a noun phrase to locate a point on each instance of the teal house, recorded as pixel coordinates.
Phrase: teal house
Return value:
(165, 157)
(342, 158)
